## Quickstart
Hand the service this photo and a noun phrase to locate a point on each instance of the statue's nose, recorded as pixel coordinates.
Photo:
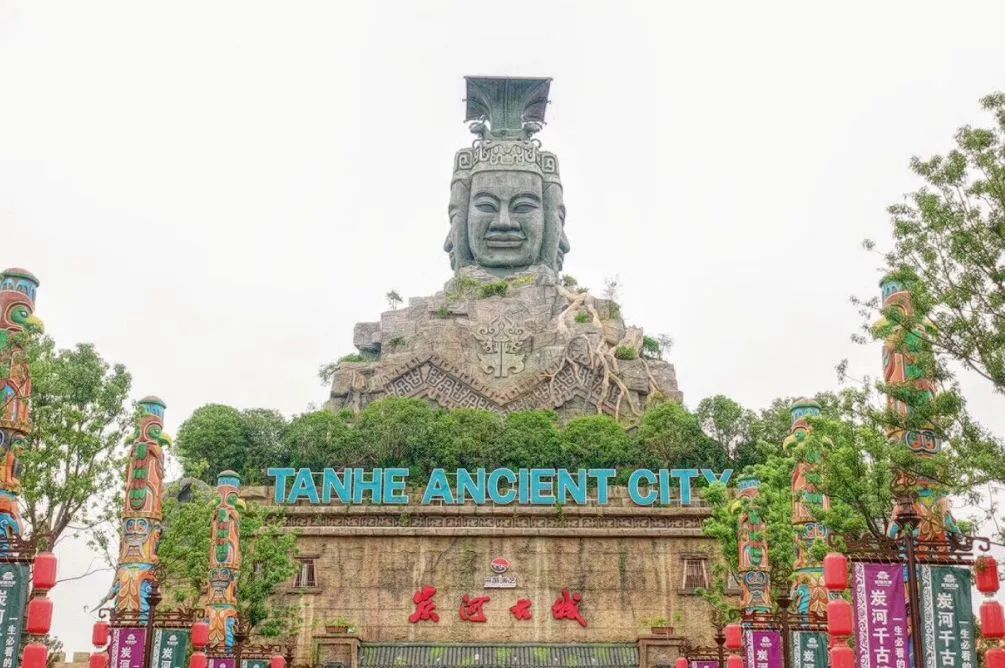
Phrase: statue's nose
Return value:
(504, 223)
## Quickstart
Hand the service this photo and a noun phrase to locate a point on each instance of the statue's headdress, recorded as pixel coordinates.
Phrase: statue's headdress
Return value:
(505, 113)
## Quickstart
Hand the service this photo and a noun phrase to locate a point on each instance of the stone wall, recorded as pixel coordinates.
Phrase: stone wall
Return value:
(626, 562)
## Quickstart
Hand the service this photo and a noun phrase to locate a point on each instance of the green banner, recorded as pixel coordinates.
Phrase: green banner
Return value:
(809, 649)
(170, 648)
(13, 598)
(255, 663)
(947, 617)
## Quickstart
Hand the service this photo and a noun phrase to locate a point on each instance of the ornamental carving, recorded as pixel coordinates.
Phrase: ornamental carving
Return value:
(502, 345)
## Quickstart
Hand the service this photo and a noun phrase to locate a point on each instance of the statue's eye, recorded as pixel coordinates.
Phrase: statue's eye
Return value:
(486, 207)
(524, 207)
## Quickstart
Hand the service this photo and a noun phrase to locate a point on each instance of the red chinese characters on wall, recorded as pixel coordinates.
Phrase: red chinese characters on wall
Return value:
(567, 607)
(522, 609)
(425, 608)
(473, 609)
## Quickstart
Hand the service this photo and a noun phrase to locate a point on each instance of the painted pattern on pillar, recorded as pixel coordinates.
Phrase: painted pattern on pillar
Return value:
(224, 561)
(808, 592)
(142, 512)
(755, 581)
(18, 289)
(902, 365)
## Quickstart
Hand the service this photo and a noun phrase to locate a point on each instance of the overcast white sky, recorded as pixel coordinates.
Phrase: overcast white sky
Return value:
(214, 192)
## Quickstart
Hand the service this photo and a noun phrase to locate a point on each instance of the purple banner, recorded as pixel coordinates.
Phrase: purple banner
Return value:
(764, 649)
(221, 662)
(704, 663)
(127, 647)
(881, 639)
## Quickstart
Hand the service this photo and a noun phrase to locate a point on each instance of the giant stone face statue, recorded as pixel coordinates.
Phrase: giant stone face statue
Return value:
(506, 209)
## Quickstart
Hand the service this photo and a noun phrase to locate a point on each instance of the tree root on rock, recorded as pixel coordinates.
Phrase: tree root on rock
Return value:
(601, 355)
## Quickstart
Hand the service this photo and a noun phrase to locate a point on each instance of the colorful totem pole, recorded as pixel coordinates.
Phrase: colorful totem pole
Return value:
(17, 303)
(755, 580)
(808, 591)
(903, 366)
(142, 512)
(224, 561)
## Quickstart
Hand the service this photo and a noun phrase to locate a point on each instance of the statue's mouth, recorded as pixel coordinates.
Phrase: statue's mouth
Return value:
(504, 239)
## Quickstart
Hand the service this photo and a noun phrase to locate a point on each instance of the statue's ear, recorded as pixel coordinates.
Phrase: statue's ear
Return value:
(554, 244)
(456, 244)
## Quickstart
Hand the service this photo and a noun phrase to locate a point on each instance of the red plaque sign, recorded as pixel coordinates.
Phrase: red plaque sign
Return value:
(499, 565)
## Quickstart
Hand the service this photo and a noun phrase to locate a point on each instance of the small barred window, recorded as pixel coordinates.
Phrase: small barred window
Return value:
(306, 576)
(695, 574)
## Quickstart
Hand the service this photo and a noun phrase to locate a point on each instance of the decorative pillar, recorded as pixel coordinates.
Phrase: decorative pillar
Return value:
(224, 561)
(17, 304)
(142, 512)
(755, 579)
(903, 366)
(808, 591)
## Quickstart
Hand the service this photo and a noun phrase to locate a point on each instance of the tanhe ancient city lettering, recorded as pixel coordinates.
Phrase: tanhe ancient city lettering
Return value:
(503, 486)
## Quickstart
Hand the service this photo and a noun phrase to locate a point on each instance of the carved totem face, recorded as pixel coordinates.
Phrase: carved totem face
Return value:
(506, 222)
(137, 530)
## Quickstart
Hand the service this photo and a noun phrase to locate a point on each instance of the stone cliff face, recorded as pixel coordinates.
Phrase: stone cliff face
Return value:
(523, 343)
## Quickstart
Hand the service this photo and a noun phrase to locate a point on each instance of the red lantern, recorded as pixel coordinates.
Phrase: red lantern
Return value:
(836, 572)
(839, 623)
(35, 655)
(99, 635)
(734, 636)
(842, 656)
(992, 620)
(994, 658)
(681, 662)
(43, 572)
(98, 660)
(198, 660)
(986, 570)
(200, 634)
(277, 661)
(734, 661)
(39, 616)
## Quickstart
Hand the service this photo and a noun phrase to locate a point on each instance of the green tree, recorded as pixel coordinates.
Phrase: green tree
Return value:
(213, 439)
(531, 439)
(951, 234)
(671, 436)
(265, 429)
(597, 441)
(72, 460)
(322, 439)
(467, 438)
(397, 432)
(948, 242)
(217, 437)
(736, 429)
(268, 560)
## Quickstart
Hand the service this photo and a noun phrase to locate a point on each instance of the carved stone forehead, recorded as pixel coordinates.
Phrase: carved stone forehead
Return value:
(505, 183)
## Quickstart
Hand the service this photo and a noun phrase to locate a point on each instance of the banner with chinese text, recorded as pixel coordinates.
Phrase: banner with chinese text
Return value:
(947, 617)
(809, 649)
(881, 639)
(255, 663)
(128, 645)
(170, 648)
(13, 598)
(764, 649)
